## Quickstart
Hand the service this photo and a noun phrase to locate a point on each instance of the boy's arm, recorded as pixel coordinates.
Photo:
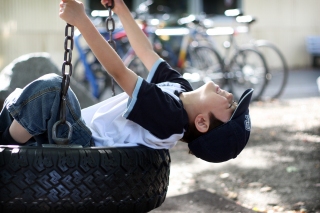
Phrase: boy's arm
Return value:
(73, 13)
(138, 40)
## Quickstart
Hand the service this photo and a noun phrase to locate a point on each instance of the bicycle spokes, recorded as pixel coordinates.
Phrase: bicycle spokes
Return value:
(247, 70)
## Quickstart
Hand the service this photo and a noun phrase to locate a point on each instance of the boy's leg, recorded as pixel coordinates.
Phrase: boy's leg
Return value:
(6, 121)
(37, 108)
(18, 132)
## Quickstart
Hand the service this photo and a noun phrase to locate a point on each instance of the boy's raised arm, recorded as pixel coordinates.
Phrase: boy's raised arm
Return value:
(73, 13)
(138, 40)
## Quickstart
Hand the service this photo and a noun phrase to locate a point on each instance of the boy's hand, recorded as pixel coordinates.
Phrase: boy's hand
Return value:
(117, 4)
(106, 3)
(72, 11)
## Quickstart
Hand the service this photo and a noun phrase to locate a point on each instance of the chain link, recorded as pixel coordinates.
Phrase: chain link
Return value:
(68, 47)
(110, 26)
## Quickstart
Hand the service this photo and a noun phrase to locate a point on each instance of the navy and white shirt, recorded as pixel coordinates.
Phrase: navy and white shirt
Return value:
(153, 117)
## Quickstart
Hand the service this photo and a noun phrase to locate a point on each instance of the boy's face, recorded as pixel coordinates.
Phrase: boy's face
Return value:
(217, 101)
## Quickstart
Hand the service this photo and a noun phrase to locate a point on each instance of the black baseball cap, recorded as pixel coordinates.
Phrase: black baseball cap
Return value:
(228, 140)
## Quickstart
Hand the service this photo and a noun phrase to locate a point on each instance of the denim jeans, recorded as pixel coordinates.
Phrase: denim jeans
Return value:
(37, 108)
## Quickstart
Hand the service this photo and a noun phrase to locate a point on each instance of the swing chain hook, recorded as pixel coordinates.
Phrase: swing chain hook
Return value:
(110, 26)
(68, 47)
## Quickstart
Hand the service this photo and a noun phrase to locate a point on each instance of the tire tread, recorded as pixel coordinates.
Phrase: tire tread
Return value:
(34, 179)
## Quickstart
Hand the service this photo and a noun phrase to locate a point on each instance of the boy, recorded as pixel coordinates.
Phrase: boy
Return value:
(156, 112)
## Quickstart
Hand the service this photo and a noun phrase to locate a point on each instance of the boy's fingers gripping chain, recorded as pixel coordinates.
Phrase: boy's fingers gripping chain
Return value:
(108, 3)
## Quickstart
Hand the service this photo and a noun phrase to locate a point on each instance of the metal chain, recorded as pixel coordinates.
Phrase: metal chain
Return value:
(68, 47)
(110, 26)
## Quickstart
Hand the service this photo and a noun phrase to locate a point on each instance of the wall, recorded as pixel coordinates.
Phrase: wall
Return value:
(30, 26)
(286, 23)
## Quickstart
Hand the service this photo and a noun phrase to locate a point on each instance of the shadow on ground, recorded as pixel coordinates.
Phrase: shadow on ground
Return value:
(278, 170)
(200, 201)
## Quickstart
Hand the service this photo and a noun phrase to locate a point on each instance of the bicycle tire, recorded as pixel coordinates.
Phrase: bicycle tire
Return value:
(95, 179)
(208, 63)
(135, 64)
(278, 69)
(101, 77)
(247, 69)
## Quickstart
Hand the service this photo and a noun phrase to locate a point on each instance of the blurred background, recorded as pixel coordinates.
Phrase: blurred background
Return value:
(279, 169)
(35, 26)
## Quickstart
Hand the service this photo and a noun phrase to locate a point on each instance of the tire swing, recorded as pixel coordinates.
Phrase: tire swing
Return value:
(66, 178)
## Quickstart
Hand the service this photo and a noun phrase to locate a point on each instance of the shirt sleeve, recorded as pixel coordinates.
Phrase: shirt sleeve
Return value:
(163, 72)
(155, 110)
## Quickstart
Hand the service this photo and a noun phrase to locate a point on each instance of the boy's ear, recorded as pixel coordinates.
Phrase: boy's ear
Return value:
(202, 123)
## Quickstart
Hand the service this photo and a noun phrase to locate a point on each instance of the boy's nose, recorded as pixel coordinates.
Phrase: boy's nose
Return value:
(229, 96)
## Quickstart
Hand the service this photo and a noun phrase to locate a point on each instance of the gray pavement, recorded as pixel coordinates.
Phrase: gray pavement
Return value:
(302, 83)
(200, 201)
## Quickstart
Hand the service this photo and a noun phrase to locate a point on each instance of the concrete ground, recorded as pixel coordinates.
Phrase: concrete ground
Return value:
(189, 193)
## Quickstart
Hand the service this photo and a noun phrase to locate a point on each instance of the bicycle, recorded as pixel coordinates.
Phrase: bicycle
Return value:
(92, 74)
(245, 68)
(278, 68)
(197, 61)
(89, 71)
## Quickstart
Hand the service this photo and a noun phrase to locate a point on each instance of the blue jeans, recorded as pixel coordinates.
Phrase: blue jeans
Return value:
(37, 108)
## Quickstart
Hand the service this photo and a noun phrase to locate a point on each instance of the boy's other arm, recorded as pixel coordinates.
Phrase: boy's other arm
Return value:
(138, 40)
(73, 13)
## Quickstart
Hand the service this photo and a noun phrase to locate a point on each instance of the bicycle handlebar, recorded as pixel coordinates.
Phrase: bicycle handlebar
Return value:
(245, 19)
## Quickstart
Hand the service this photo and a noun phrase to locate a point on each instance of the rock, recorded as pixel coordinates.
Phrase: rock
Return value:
(224, 175)
(27, 68)
(266, 189)
(255, 184)
(232, 195)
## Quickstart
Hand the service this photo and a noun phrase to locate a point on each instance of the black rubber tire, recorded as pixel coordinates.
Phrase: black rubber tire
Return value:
(66, 179)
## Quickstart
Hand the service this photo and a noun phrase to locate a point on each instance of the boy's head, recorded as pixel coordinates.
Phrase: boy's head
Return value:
(224, 141)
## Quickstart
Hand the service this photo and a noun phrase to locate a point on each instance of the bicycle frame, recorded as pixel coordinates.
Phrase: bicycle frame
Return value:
(189, 35)
(89, 75)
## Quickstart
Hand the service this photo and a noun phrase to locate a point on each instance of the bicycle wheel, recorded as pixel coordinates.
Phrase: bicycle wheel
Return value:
(133, 63)
(278, 69)
(99, 79)
(247, 69)
(207, 63)
(136, 65)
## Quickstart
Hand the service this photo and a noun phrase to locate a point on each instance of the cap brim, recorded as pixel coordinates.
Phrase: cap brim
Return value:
(243, 103)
